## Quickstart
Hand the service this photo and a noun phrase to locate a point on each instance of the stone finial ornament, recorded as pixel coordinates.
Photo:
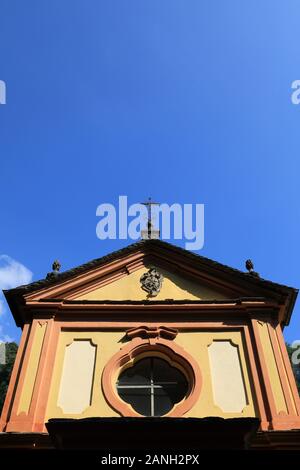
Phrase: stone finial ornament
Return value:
(56, 267)
(249, 265)
(250, 268)
(152, 282)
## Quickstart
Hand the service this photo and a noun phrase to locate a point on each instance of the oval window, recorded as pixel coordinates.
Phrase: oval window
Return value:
(152, 386)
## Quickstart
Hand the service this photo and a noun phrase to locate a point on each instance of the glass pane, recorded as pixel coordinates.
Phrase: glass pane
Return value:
(162, 402)
(139, 374)
(165, 374)
(166, 396)
(139, 398)
(161, 370)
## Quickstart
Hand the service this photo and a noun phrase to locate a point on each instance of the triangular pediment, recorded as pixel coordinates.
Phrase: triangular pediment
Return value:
(129, 287)
(117, 277)
(124, 283)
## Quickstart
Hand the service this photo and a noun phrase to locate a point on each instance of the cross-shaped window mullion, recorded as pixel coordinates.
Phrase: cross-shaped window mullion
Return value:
(151, 385)
(152, 388)
(133, 386)
(159, 385)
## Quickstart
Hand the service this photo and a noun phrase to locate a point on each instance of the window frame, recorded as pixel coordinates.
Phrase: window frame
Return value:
(135, 350)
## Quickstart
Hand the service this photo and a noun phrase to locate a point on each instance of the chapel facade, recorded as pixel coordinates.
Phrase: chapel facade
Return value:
(151, 343)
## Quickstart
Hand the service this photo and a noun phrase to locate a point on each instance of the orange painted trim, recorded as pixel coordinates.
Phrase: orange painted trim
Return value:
(107, 279)
(285, 423)
(14, 417)
(12, 387)
(121, 325)
(222, 283)
(33, 421)
(281, 371)
(145, 331)
(265, 373)
(40, 407)
(98, 283)
(69, 286)
(140, 346)
(233, 306)
(161, 257)
(36, 397)
(288, 368)
(281, 420)
(194, 275)
(36, 416)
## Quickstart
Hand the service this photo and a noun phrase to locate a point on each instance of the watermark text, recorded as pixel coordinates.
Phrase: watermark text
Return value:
(2, 92)
(178, 221)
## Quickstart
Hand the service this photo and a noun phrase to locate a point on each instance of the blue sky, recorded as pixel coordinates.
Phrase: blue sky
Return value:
(186, 101)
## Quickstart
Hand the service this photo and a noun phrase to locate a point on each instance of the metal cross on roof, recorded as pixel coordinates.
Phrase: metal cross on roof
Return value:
(151, 232)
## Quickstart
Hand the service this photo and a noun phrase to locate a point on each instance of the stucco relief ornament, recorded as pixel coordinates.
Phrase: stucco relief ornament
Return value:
(152, 282)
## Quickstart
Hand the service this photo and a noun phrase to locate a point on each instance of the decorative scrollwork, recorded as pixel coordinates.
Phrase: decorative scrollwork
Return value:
(152, 282)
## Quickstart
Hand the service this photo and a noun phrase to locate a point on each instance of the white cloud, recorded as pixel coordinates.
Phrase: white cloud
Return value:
(12, 274)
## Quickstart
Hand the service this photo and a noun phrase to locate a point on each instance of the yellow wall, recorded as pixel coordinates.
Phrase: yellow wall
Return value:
(108, 343)
(78, 375)
(197, 344)
(229, 391)
(173, 287)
